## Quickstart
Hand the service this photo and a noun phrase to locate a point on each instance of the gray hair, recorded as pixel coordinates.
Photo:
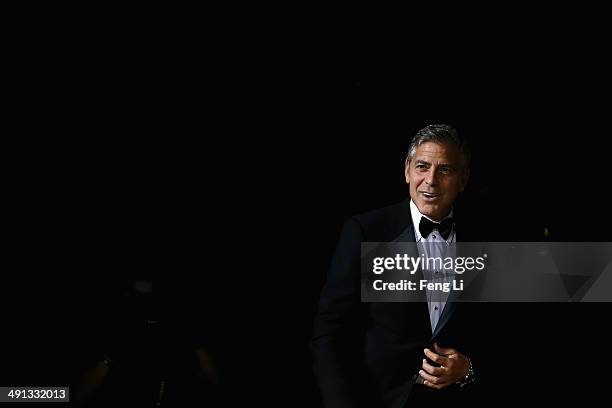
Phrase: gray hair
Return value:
(443, 134)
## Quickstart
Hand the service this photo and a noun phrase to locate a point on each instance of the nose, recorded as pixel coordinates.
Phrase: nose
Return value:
(430, 178)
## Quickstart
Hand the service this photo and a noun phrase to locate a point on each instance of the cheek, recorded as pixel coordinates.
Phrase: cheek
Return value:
(453, 190)
(415, 180)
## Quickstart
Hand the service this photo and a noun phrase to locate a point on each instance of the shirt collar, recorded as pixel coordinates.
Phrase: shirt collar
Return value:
(416, 219)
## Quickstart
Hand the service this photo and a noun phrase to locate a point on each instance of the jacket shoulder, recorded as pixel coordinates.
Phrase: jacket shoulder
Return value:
(385, 224)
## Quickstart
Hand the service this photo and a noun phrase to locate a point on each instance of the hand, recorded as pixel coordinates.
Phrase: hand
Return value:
(453, 366)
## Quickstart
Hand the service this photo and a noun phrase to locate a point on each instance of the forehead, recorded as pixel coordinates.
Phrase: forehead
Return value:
(437, 152)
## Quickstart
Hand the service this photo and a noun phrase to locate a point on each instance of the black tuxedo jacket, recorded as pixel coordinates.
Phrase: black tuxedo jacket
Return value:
(369, 354)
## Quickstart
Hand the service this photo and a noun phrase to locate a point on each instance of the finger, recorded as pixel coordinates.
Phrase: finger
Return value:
(431, 378)
(443, 350)
(436, 386)
(437, 371)
(436, 358)
(433, 381)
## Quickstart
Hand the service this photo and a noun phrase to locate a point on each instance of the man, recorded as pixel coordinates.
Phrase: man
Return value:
(399, 354)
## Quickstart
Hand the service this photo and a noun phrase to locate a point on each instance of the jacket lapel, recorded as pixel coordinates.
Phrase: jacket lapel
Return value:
(407, 236)
(451, 304)
(450, 307)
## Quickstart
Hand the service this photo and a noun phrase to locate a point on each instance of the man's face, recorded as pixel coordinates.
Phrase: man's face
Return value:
(435, 176)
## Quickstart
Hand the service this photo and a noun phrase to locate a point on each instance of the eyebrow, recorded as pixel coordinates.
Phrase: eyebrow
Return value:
(422, 162)
(429, 164)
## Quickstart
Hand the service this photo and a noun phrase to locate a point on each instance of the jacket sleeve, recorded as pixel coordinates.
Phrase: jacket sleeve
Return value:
(337, 333)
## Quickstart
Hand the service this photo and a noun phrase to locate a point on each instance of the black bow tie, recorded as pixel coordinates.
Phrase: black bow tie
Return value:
(445, 227)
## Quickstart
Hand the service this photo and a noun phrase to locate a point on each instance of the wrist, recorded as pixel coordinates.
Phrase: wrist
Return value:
(468, 378)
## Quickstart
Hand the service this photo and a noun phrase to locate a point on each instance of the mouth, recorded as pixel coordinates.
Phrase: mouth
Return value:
(429, 196)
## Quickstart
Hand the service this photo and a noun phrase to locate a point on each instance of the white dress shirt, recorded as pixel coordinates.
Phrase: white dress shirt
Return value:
(434, 245)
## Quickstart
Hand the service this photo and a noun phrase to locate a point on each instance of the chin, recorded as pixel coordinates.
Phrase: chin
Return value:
(427, 209)
(432, 211)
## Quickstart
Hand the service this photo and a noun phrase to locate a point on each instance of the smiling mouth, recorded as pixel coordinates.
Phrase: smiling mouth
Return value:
(429, 195)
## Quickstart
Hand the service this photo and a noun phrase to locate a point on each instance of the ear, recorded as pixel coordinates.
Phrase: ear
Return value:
(407, 171)
(464, 179)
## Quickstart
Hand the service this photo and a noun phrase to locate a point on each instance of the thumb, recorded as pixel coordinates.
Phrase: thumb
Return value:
(444, 351)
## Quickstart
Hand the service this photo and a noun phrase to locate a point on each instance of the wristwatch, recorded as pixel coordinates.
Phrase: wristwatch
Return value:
(469, 378)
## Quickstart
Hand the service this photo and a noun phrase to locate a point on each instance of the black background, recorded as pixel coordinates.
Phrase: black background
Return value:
(225, 172)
